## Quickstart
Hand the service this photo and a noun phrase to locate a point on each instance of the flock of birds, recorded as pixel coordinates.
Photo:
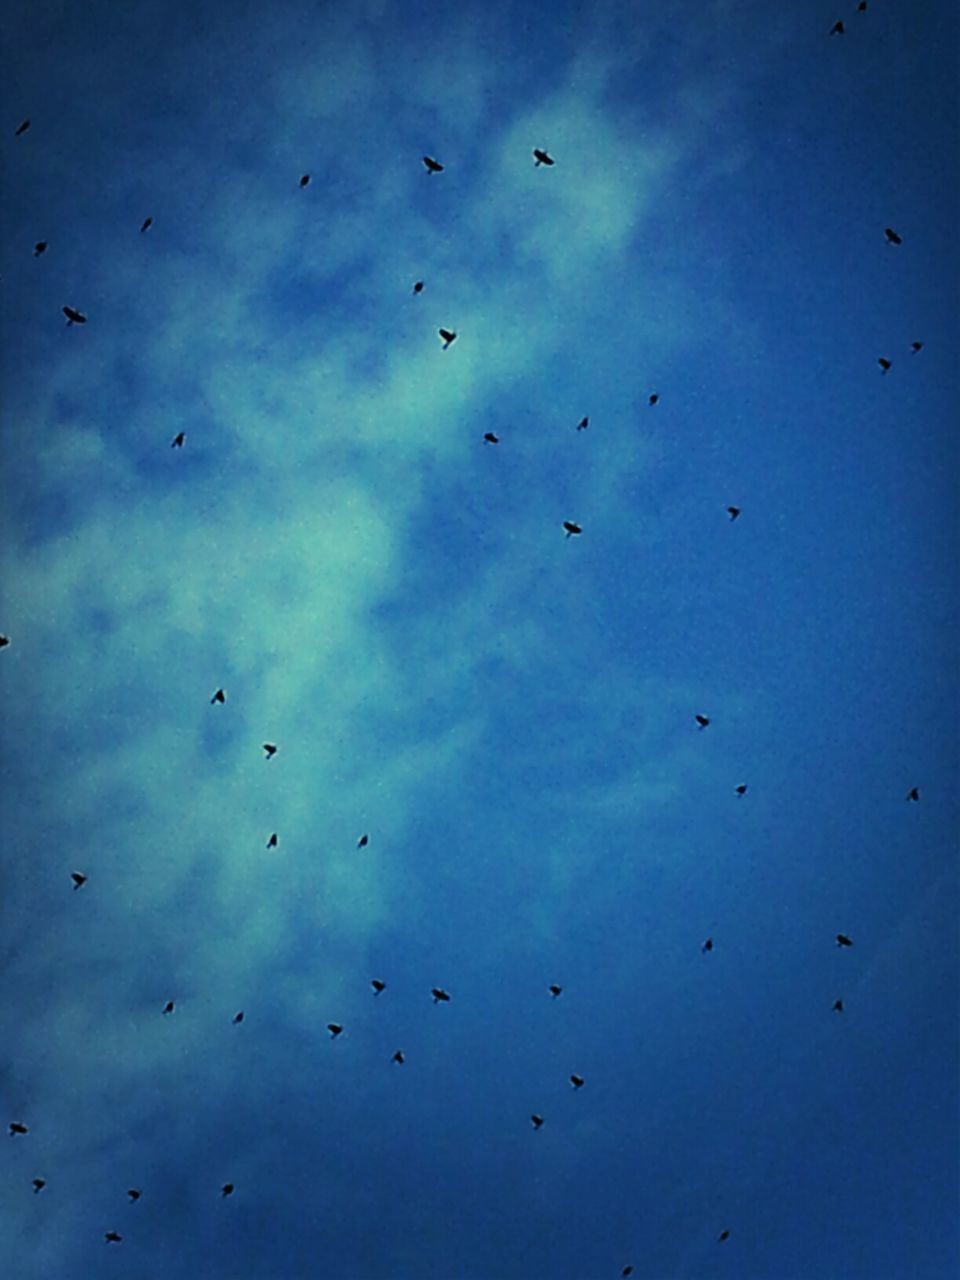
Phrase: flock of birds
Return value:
(572, 529)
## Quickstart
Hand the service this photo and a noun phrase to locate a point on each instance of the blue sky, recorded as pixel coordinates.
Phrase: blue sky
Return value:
(508, 713)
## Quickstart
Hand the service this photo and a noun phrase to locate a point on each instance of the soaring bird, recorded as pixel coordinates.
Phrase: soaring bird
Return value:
(862, 6)
(22, 128)
(733, 512)
(702, 721)
(418, 286)
(363, 841)
(884, 364)
(537, 1120)
(4, 641)
(39, 247)
(112, 1237)
(707, 946)
(724, 1235)
(272, 842)
(78, 878)
(270, 748)
(837, 29)
(304, 180)
(838, 1006)
(447, 337)
(238, 1017)
(335, 1029)
(219, 696)
(571, 528)
(913, 793)
(541, 157)
(742, 789)
(583, 424)
(38, 1185)
(439, 994)
(627, 1271)
(398, 1057)
(892, 237)
(168, 1007)
(227, 1189)
(843, 940)
(576, 1081)
(147, 224)
(433, 166)
(17, 1127)
(490, 438)
(134, 1193)
(177, 443)
(654, 397)
(916, 346)
(378, 986)
(555, 990)
(74, 316)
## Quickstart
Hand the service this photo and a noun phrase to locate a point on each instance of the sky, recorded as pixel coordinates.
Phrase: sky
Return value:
(506, 712)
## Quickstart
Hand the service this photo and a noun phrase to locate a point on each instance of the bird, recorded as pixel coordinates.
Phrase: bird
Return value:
(583, 424)
(571, 528)
(702, 721)
(742, 789)
(537, 1120)
(304, 180)
(270, 748)
(541, 157)
(837, 29)
(227, 1189)
(707, 946)
(147, 224)
(4, 641)
(79, 879)
(576, 1081)
(627, 1271)
(843, 940)
(554, 990)
(177, 443)
(439, 994)
(38, 1185)
(398, 1057)
(272, 842)
(433, 166)
(39, 247)
(913, 793)
(490, 438)
(363, 841)
(219, 696)
(885, 365)
(22, 128)
(916, 346)
(447, 337)
(418, 286)
(168, 1007)
(838, 1006)
(654, 397)
(112, 1237)
(335, 1029)
(724, 1235)
(862, 6)
(134, 1193)
(238, 1017)
(16, 1127)
(733, 512)
(892, 237)
(74, 316)
(378, 986)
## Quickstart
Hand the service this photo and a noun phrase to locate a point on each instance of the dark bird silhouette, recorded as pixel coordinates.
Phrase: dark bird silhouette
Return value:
(147, 224)
(177, 443)
(733, 512)
(335, 1029)
(112, 1237)
(16, 1127)
(4, 641)
(724, 1235)
(541, 157)
(270, 748)
(742, 789)
(555, 990)
(843, 940)
(168, 1007)
(571, 528)
(398, 1057)
(439, 994)
(862, 6)
(219, 696)
(892, 237)
(447, 337)
(363, 841)
(272, 842)
(238, 1016)
(655, 397)
(134, 1193)
(885, 365)
(305, 180)
(537, 1120)
(583, 424)
(74, 316)
(22, 128)
(627, 1271)
(39, 247)
(378, 986)
(227, 1189)
(913, 793)
(916, 346)
(418, 286)
(707, 946)
(837, 29)
(38, 1185)
(433, 166)
(490, 438)
(78, 878)
(702, 721)
(577, 1081)
(838, 1006)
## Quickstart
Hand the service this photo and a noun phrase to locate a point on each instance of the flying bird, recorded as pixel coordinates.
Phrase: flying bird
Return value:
(583, 424)
(627, 1271)
(892, 237)
(168, 1007)
(147, 224)
(270, 748)
(134, 1193)
(433, 166)
(112, 1237)
(724, 1235)
(707, 946)
(227, 1189)
(555, 990)
(577, 1081)
(304, 180)
(490, 438)
(418, 286)
(537, 1120)
(74, 316)
(837, 29)
(363, 841)
(838, 1006)
(702, 721)
(862, 6)
(655, 397)
(78, 878)
(22, 128)
(219, 696)
(916, 346)
(398, 1057)
(439, 994)
(913, 793)
(378, 986)
(4, 641)
(38, 1185)
(742, 789)
(39, 247)
(733, 512)
(17, 1127)
(272, 842)
(541, 157)
(177, 443)
(884, 364)
(571, 528)
(238, 1016)
(447, 337)
(843, 940)
(335, 1029)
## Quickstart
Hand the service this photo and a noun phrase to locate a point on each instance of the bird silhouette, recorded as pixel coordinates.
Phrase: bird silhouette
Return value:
(838, 1006)
(335, 1029)
(227, 1189)
(272, 842)
(490, 438)
(270, 748)
(733, 512)
(168, 1008)
(448, 336)
(219, 696)
(74, 316)
(22, 128)
(885, 365)
(576, 1081)
(724, 1235)
(627, 1271)
(78, 878)
(702, 721)
(555, 990)
(916, 346)
(16, 1127)
(147, 224)
(654, 398)
(913, 793)
(439, 994)
(398, 1057)
(38, 1185)
(537, 1120)
(892, 237)
(363, 841)
(4, 641)
(837, 29)
(378, 986)
(707, 946)
(862, 6)
(742, 789)
(304, 180)
(112, 1237)
(583, 424)
(433, 166)
(418, 286)
(134, 1193)
(177, 443)
(39, 247)
(571, 528)
(238, 1017)
(843, 940)
(541, 157)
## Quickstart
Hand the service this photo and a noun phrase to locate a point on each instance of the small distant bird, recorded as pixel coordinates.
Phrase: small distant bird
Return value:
(238, 1016)
(571, 528)
(177, 443)
(702, 721)
(916, 346)
(418, 286)
(724, 1235)
(733, 512)
(38, 1185)
(112, 1237)
(22, 128)
(884, 364)
(78, 878)
(39, 247)
(17, 1127)
(555, 990)
(892, 237)
(168, 1007)
(837, 29)
(134, 1193)
(913, 793)
(363, 841)
(270, 748)
(742, 789)
(583, 424)
(219, 696)
(541, 157)
(398, 1057)
(627, 1271)
(843, 940)
(272, 842)
(74, 316)
(655, 397)
(4, 641)
(447, 337)
(838, 1006)
(147, 224)
(577, 1081)
(335, 1029)
(537, 1120)
(491, 438)
(708, 945)
(433, 166)
(304, 180)
(227, 1189)
(862, 6)
(439, 994)
(378, 986)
